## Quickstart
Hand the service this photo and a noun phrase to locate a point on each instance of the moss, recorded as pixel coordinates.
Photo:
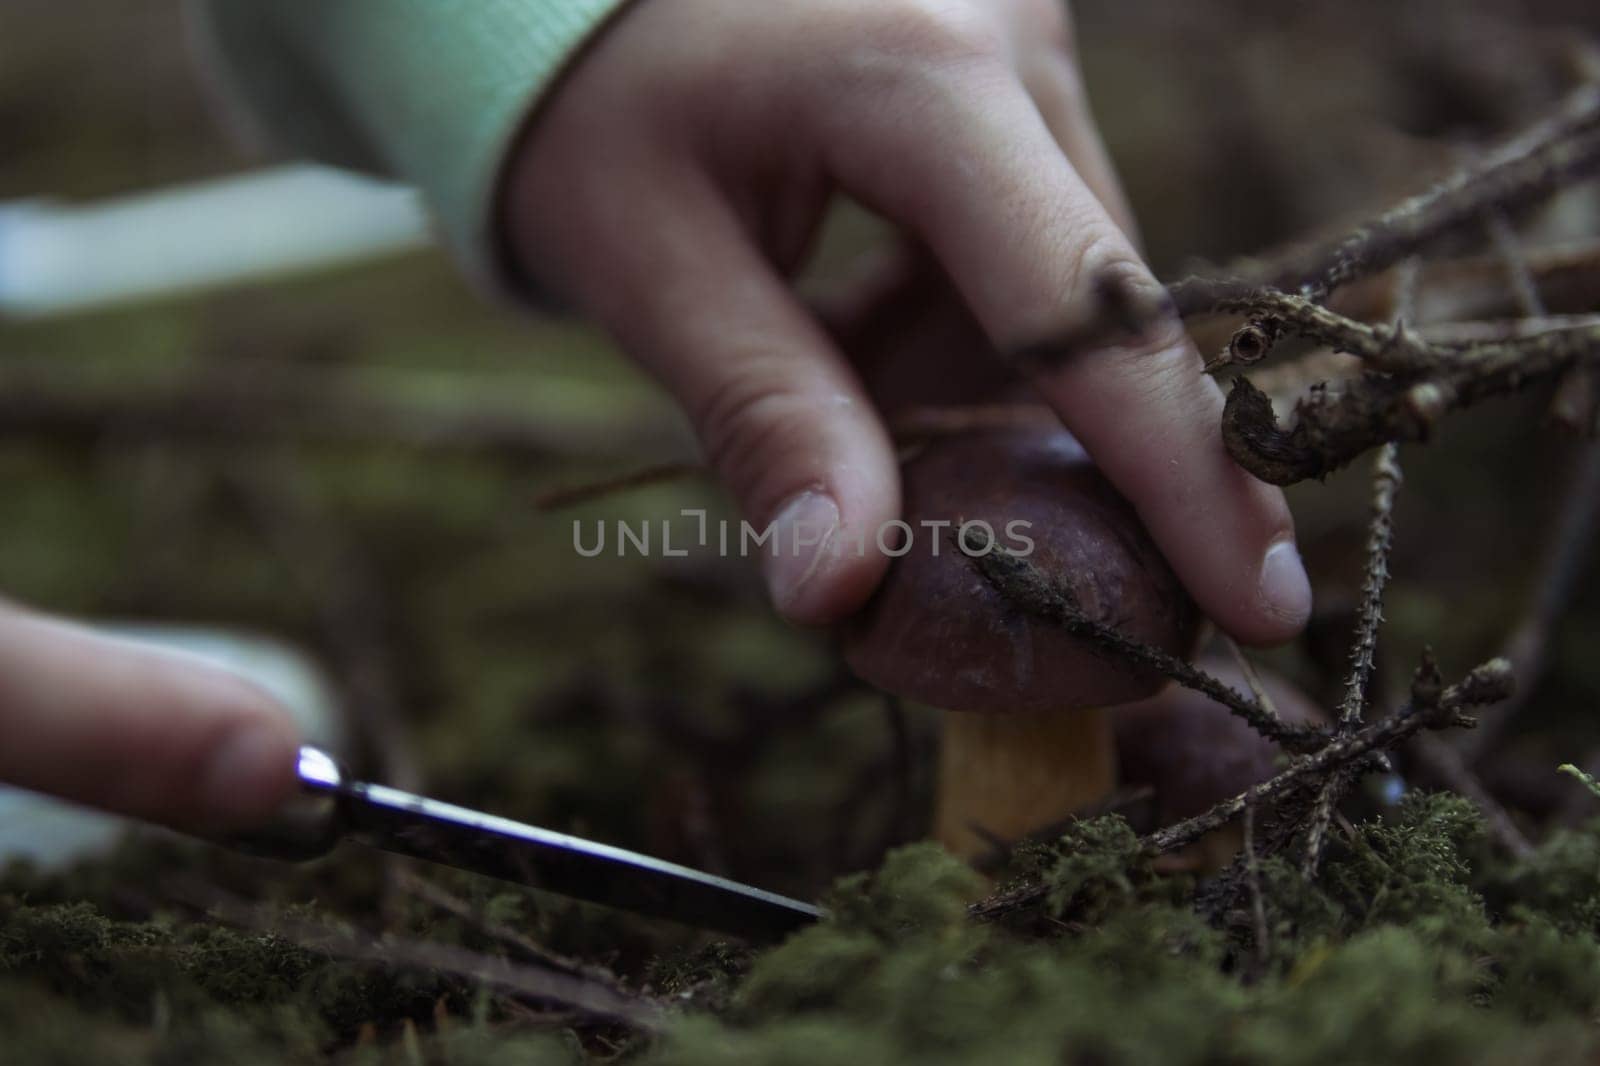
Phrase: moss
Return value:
(1545, 973)
(475, 1045)
(1414, 945)
(1387, 995)
(705, 975)
(881, 929)
(1393, 957)
(145, 972)
(919, 890)
(1559, 882)
(1415, 871)
(1091, 870)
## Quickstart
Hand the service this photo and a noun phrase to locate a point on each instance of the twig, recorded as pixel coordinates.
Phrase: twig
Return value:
(1407, 282)
(1522, 170)
(437, 895)
(1329, 794)
(1252, 678)
(1287, 381)
(1393, 348)
(1473, 286)
(1118, 315)
(1504, 241)
(1574, 403)
(1332, 429)
(1452, 290)
(1399, 404)
(588, 492)
(1031, 591)
(1486, 683)
(910, 426)
(1386, 481)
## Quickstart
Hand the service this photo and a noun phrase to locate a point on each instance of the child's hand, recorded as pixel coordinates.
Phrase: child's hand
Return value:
(117, 725)
(679, 173)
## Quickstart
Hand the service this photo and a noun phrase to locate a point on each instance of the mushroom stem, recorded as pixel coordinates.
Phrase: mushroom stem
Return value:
(1001, 776)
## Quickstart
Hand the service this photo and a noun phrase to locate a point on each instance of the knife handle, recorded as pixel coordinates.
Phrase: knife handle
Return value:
(310, 822)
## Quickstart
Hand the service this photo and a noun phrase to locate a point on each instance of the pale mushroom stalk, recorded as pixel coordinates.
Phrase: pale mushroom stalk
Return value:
(1002, 776)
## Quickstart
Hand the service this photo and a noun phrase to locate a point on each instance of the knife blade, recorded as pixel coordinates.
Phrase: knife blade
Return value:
(332, 807)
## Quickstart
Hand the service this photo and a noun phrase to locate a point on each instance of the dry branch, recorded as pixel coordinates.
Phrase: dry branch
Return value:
(1031, 591)
(1334, 427)
(1487, 683)
(1523, 170)
(1386, 480)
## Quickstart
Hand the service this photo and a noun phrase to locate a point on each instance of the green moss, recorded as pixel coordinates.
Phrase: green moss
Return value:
(1559, 882)
(1093, 869)
(1414, 945)
(1414, 871)
(919, 890)
(174, 973)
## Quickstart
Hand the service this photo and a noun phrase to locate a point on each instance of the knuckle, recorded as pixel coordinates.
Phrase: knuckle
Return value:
(1159, 362)
(1100, 260)
(749, 425)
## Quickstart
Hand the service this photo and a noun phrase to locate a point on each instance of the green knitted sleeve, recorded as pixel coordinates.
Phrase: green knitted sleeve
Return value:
(429, 92)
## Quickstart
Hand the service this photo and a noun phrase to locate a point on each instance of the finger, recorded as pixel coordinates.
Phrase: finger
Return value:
(781, 415)
(1057, 89)
(156, 735)
(1026, 242)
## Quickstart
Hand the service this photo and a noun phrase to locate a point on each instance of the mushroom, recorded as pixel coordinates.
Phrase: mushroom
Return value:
(1033, 744)
(1192, 752)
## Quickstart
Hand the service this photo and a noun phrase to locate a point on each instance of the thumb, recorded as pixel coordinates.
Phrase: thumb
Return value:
(127, 728)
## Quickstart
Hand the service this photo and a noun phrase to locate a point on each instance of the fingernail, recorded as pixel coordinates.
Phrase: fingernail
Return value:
(1285, 588)
(801, 533)
(250, 773)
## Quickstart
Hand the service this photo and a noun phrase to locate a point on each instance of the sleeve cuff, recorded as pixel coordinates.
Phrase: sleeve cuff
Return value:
(430, 92)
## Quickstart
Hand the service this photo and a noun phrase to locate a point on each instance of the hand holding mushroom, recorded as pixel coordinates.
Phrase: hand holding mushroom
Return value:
(1028, 741)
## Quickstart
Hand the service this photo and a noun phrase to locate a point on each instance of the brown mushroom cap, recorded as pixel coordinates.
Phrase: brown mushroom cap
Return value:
(1193, 752)
(939, 633)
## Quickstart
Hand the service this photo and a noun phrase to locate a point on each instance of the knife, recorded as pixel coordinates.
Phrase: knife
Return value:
(330, 807)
